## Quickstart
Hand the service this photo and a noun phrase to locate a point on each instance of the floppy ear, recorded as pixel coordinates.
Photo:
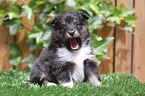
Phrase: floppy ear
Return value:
(54, 20)
(83, 15)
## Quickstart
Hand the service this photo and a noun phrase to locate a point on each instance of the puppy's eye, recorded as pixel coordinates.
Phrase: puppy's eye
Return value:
(79, 25)
(62, 27)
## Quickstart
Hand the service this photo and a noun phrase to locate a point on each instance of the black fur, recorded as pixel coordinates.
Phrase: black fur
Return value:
(71, 32)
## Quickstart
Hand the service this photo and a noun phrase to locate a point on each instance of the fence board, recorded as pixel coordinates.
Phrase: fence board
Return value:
(139, 42)
(5, 40)
(123, 44)
(106, 65)
(21, 40)
(21, 36)
(23, 1)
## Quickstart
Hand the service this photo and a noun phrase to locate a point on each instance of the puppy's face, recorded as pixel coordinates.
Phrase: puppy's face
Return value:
(70, 29)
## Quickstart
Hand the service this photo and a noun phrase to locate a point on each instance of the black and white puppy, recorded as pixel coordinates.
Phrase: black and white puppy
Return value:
(69, 56)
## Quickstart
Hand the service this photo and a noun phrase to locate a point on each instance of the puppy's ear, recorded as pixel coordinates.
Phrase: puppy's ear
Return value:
(54, 20)
(83, 15)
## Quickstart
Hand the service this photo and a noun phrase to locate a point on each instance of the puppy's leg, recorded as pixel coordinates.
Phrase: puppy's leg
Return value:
(92, 72)
(63, 75)
(45, 81)
(68, 82)
(35, 75)
(39, 77)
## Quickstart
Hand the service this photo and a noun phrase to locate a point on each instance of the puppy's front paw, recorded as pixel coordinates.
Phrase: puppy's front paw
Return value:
(94, 80)
(51, 84)
(97, 83)
(69, 84)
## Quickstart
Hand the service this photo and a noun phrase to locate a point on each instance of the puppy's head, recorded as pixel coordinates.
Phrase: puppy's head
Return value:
(70, 29)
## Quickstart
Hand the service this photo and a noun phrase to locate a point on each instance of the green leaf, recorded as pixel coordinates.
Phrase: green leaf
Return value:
(95, 22)
(94, 8)
(59, 6)
(52, 15)
(86, 10)
(13, 12)
(46, 36)
(13, 29)
(70, 3)
(12, 15)
(55, 1)
(16, 55)
(116, 17)
(129, 28)
(3, 13)
(106, 8)
(36, 33)
(14, 25)
(13, 1)
(125, 11)
(100, 46)
(131, 20)
(9, 22)
(30, 60)
(35, 3)
(39, 36)
(33, 45)
(28, 10)
(43, 14)
(119, 14)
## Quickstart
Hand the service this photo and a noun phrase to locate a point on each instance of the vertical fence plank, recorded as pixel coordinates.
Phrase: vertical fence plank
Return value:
(21, 40)
(139, 42)
(23, 1)
(5, 40)
(123, 44)
(21, 36)
(106, 65)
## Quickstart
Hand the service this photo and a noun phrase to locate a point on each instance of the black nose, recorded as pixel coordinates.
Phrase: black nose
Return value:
(71, 33)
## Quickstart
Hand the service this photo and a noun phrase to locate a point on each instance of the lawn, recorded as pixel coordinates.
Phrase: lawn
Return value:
(113, 85)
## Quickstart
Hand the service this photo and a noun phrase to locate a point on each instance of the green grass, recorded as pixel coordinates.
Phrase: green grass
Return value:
(113, 85)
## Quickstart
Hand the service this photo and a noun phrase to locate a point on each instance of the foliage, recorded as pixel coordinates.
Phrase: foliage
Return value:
(100, 48)
(112, 85)
(16, 55)
(39, 36)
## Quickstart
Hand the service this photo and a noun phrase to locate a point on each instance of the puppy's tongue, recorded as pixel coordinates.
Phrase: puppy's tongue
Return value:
(73, 43)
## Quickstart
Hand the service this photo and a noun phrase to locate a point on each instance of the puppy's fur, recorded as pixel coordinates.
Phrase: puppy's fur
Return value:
(69, 57)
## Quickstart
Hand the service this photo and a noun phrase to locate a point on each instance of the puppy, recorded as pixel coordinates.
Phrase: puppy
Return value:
(69, 56)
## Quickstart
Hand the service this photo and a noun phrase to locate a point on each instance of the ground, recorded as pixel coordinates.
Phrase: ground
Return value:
(11, 84)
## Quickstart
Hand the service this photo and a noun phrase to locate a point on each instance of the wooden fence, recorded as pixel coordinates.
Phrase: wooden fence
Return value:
(127, 51)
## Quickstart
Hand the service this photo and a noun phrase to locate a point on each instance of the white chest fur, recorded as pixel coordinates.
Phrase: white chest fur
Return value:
(76, 57)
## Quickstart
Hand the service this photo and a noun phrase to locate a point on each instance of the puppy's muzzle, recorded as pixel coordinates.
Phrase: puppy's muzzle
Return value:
(71, 33)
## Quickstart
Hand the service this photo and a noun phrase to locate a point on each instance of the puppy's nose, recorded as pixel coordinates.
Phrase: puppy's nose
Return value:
(71, 33)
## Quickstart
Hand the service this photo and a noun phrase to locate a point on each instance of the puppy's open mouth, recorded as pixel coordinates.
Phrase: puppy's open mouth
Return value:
(73, 44)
